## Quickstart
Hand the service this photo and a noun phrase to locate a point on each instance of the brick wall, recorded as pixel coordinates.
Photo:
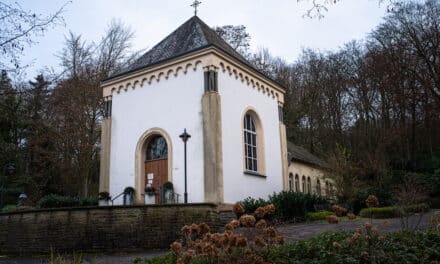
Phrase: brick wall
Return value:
(101, 229)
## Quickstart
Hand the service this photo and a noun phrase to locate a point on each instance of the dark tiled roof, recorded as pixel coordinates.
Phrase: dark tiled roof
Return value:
(300, 154)
(192, 35)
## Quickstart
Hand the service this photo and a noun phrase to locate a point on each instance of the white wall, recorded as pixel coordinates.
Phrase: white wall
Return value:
(236, 96)
(172, 105)
(314, 173)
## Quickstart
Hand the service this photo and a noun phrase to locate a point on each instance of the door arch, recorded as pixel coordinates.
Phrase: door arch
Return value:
(151, 141)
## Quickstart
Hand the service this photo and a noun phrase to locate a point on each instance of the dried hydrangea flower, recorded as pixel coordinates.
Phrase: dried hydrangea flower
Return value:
(372, 201)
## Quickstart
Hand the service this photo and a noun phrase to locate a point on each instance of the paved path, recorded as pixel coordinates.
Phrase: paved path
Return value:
(294, 232)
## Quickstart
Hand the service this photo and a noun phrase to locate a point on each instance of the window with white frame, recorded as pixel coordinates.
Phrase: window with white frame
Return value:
(250, 144)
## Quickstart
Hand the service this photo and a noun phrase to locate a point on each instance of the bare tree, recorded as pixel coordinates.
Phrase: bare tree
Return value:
(18, 29)
(236, 36)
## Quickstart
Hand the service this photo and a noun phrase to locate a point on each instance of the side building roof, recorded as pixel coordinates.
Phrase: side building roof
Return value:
(297, 153)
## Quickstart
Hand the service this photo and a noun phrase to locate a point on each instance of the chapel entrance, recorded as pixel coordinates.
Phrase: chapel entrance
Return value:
(156, 164)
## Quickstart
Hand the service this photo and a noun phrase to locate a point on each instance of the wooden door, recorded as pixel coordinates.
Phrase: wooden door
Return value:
(156, 164)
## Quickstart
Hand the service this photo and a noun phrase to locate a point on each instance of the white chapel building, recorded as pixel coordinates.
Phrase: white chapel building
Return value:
(194, 80)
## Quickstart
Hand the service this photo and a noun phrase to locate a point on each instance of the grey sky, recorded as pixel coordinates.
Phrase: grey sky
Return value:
(278, 25)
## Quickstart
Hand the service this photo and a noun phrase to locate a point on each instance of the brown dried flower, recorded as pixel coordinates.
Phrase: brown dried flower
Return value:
(195, 229)
(176, 247)
(259, 241)
(247, 220)
(271, 231)
(351, 216)
(238, 208)
(372, 201)
(229, 227)
(260, 212)
(261, 224)
(241, 241)
(186, 230)
(188, 256)
(339, 210)
(332, 219)
(235, 223)
(204, 228)
(337, 245)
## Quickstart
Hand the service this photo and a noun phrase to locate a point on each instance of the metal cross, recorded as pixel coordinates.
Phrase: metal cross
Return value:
(195, 5)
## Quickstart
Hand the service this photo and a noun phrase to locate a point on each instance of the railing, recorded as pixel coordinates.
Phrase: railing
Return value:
(168, 196)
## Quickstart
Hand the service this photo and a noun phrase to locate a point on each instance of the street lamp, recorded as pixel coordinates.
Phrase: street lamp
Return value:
(8, 169)
(185, 136)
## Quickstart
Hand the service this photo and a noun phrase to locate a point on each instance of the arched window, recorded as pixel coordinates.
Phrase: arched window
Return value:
(318, 187)
(157, 148)
(297, 183)
(290, 182)
(304, 184)
(253, 143)
(309, 185)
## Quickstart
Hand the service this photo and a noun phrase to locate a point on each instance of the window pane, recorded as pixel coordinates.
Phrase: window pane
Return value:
(157, 148)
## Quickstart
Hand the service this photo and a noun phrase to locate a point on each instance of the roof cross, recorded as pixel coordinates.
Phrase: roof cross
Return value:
(195, 5)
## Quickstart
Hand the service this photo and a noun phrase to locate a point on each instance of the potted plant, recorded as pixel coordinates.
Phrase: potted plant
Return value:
(150, 194)
(104, 198)
(168, 190)
(129, 195)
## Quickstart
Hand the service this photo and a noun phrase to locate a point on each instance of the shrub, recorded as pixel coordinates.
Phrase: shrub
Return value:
(293, 205)
(379, 212)
(288, 205)
(385, 197)
(9, 208)
(105, 196)
(56, 201)
(168, 186)
(314, 216)
(250, 204)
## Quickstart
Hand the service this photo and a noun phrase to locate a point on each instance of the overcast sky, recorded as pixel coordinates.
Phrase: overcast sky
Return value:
(278, 25)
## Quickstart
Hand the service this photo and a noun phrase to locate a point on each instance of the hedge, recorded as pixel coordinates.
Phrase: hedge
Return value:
(394, 211)
(56, 201)
(322, 215)
(289, 205)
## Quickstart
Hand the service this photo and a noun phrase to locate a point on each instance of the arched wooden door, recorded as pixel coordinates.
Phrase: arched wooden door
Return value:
(156, 164)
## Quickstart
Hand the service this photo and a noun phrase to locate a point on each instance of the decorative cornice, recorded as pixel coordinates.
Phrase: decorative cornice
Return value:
(209, 59)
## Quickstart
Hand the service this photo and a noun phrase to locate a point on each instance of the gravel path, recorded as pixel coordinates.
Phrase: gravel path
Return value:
(294, 232)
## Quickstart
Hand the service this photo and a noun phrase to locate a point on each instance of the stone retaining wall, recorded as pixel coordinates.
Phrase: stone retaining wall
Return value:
(101, 229)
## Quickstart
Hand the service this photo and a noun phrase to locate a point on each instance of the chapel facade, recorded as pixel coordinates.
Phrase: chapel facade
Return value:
(194, 80)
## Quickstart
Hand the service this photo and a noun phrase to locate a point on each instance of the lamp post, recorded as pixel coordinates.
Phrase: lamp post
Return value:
(185, 136)
(8, 169)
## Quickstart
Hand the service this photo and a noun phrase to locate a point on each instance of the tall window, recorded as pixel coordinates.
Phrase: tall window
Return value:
(309, 185)
(290, 182)
(318, 187)
(327, 191)
(250, 143)
(297, 183)
(304, 184)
